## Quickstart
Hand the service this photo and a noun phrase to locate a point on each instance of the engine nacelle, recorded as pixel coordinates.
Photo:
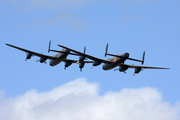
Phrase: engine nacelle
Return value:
(43, 59)
(81, 64)
(137, 70)
(123, 68)
(68, 63)
(29, 55)
(82, 58)
(97, 62)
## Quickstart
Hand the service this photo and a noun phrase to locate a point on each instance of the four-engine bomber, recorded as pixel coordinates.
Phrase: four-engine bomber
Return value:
(117, 60)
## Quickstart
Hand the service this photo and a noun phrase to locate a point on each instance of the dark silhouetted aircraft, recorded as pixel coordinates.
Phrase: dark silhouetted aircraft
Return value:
(56, 59)
(117, 60)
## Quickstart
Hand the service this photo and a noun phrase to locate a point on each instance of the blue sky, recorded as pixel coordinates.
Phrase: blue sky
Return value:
(130, 26)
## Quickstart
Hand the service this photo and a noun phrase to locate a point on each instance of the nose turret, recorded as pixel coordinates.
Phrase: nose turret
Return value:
(126, 55)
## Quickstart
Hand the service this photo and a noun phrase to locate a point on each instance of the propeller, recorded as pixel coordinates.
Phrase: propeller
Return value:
(91, 67)
(37, 61)
(82, 58)
(28, 56)
(134, 74)
(80, 65)
(42, 59)
(137, 70)
(118, 69)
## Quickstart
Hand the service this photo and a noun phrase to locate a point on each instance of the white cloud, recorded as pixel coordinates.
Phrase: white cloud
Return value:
(67, 20)
(58, 4)
(136, 1)
(47, 4)
(127, 17)
(79, 100)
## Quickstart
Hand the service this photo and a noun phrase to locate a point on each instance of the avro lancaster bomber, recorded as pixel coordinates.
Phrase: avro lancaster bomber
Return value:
(117, 60)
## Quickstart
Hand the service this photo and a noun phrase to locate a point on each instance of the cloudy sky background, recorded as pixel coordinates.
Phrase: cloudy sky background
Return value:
(37, 91)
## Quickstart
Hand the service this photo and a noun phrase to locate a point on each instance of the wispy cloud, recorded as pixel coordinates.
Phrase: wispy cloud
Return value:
(47, 4)
(58, 4)
(135, 1)
(127, 17)
(79, 100)
(67, 20)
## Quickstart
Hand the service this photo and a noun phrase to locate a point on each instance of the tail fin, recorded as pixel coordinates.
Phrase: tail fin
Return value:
(106, 49)
(143, 57)
(84, 49)
(49, 46)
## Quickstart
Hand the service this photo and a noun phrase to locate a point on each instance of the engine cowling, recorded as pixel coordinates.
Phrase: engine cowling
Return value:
(81, 65)
(67, 64)
(29, 55)
(43, 59)
(123, 68)
(97, 62)
(137, 70)
(81, 58)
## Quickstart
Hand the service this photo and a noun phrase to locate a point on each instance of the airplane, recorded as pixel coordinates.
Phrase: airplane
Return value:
(117, 60)
(54, 60)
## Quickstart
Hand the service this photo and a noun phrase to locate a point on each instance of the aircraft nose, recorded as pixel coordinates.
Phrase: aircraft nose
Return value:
(127, 55)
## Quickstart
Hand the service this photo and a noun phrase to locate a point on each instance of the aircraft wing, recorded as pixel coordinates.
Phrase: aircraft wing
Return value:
(76, 61)
(34, 53)
(144, 67)
(88, 56)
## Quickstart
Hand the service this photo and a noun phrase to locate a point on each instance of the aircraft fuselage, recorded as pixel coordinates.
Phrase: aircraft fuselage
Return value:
(60, 57)
(115, 61)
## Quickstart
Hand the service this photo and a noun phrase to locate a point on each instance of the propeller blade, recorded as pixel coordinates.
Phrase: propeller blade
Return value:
(116, 69)
(37, 61)
(91, 67)
(133, 74)
(26, 57)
